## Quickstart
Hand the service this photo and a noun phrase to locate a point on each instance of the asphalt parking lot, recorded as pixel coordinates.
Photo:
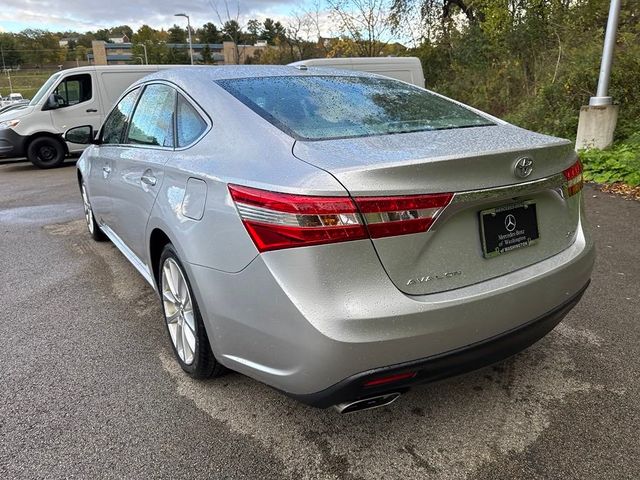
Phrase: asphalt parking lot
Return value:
(90, 390)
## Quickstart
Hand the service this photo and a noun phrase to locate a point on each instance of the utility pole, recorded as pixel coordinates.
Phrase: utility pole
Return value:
(598, 120)
(6, 70)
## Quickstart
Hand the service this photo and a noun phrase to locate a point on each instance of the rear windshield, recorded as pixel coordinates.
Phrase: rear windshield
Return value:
(325, 107)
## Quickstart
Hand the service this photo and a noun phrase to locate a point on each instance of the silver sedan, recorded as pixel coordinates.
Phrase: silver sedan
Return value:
(337, 235)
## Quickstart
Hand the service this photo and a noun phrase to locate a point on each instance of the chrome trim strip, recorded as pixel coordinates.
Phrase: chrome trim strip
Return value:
(516, 190)
(469, 198)
(128, 253)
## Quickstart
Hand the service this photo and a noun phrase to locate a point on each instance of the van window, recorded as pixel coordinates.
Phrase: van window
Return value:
(44, 89)
(152, 121)
(73, 90)
(116, 122)
(190, 124)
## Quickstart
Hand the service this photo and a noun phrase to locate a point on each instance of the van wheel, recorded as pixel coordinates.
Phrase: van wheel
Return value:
(46, 152)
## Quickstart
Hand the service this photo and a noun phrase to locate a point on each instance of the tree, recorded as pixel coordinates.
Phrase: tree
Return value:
(299, 30)
(272, 30)
(10, 49)
(102, 34)
(154, 42)
(80, 53)
(209, 33)
(253, 31)
(176, 56)
(121, 30)
(365, 22)
(207, 56)
(177, 34)
(231, 29)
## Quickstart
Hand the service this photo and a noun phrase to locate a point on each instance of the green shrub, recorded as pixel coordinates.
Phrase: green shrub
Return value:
(619, 163)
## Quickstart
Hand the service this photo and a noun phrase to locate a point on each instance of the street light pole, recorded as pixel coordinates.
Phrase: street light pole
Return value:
(146, 59)
(602, 97)
(189, 31)
(597, 122)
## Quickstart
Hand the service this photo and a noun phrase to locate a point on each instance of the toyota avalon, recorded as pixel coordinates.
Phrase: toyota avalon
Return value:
(340, 236)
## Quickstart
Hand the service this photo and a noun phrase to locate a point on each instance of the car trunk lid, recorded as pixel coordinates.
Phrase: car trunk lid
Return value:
(477, 165)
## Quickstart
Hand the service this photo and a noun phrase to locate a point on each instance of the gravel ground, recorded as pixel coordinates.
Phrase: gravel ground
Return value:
(90, 389)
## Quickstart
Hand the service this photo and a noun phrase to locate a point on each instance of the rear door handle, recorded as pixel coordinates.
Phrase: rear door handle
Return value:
(91, 110)
(148, 179)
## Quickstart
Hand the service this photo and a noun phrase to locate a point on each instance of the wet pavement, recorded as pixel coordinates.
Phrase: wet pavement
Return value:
(90, 388)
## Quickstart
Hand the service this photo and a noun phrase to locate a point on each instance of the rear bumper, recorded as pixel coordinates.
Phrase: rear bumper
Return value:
(444, 365)
(12, 144)
(310, 320)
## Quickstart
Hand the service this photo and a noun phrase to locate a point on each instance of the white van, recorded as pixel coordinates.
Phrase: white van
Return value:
(407, 69)
(69, 98)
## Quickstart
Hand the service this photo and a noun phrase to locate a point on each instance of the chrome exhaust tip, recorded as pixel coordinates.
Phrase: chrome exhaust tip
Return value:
(367, 403)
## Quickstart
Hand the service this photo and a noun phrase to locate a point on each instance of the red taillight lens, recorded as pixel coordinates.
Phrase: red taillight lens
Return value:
(390, 379)
(388, 216)
(573, 174)
(281, 220)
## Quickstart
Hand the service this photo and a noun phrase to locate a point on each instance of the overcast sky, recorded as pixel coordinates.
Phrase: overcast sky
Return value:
(83, 15)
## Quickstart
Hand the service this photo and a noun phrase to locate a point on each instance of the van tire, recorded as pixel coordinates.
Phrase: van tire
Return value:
(46, 152)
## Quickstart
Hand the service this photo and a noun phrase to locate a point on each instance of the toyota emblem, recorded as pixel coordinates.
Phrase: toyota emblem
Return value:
(523, 167)
(510, 223)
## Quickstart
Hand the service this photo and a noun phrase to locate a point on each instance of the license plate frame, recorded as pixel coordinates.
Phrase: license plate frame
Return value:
(510, 227)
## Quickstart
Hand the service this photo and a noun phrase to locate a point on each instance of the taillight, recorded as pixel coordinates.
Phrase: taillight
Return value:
(573, 174)
(388, 216)
(282, 220)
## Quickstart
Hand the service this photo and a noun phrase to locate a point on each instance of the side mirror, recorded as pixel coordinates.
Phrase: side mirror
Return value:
(83, 135)
(51, 103)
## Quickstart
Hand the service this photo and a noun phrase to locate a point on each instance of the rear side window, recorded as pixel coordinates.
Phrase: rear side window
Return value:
(116, 122)
(73, 90)
(190, 125)
(324, 106)
(152, 121)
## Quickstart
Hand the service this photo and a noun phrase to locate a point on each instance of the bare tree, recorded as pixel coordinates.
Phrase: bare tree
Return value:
(231, 29)
(300, 30)
(366, 22)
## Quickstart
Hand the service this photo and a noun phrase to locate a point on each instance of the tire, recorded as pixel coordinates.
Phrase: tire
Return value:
(94, 230)
(183, 321)
(46, 152)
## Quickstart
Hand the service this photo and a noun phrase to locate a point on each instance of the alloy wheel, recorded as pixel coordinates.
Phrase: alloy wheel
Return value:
(178, 310)
(88, 212)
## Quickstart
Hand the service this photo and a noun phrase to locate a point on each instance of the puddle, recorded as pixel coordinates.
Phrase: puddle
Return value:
(39, 213)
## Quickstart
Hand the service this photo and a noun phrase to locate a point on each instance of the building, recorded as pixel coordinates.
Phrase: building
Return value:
(122, 53)
(121, 39)
(64, 42)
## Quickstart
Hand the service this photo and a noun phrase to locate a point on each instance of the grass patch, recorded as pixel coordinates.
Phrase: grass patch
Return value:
(619, 163)
(26, 82)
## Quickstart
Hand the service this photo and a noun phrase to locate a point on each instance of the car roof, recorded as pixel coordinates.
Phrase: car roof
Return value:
(185, 76)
